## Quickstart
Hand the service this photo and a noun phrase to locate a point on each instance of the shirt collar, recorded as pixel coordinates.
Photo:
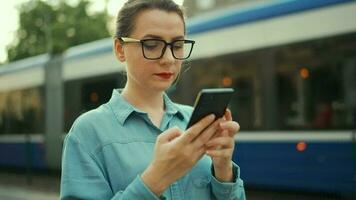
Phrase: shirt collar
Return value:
(123, 109)
(172, 108)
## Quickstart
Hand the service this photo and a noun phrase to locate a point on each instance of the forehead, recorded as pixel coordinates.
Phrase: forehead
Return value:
(158, 22)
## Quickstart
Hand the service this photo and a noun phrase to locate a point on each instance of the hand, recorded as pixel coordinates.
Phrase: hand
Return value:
(221, 147)
(177, 152)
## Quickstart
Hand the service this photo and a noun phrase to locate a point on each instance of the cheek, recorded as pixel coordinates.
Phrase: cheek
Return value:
(132, 54)
(134, 61)
(180, 66)
(138, 68)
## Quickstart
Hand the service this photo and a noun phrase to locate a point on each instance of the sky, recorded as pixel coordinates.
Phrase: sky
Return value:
(9, 18)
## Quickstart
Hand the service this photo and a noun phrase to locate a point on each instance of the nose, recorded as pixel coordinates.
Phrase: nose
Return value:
(167, 55)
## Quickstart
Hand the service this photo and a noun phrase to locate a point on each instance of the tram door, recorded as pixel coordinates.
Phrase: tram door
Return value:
(246, 104)
(242, 103)
(240, 73)
(95, 93)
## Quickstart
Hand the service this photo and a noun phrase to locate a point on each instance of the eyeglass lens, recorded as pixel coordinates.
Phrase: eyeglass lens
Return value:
(154, 49)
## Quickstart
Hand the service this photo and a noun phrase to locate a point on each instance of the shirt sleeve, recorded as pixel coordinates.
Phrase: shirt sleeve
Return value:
(229, 190)
(83, 178)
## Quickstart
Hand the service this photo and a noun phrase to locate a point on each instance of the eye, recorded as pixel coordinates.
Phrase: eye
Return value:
(152, 44)
(178, 45)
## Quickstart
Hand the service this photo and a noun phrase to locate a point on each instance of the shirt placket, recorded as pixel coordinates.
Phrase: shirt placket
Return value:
(175, 192)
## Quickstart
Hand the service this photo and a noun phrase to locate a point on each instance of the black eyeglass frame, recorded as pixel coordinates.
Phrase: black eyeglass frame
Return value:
(171, 44)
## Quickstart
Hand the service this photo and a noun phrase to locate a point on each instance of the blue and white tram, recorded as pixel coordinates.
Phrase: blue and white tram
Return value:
(293, 67)
(21, 113)
(292, 64)
(41, 96)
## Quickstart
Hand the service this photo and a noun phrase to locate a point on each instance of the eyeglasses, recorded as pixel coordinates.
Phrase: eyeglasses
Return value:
(154, 49)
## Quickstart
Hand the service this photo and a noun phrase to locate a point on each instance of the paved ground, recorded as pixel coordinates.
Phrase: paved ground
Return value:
(19, 193)
(258, 194)
(17, 185)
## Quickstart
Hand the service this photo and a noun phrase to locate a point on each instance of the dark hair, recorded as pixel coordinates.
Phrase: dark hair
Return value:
(127, 15)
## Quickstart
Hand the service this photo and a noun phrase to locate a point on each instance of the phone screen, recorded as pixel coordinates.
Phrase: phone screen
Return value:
(210, 101)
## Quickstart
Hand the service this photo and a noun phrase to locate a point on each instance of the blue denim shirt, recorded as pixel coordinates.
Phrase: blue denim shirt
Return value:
(108, 148)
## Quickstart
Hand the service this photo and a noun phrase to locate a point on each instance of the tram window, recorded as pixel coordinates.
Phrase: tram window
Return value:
(242, 106)
(96, 93)
(21, 111)
(317, 102)
(316, 84)
(287, 97)
(327, 99)
(72, 100)
(86, 94)
(225, 71)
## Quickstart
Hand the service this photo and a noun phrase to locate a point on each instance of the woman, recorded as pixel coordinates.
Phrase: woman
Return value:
(135, 146)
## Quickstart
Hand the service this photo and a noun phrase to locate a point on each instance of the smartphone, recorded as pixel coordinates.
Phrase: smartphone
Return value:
(210, 101)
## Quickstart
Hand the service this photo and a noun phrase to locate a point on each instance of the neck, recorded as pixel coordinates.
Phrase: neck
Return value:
(144, 99)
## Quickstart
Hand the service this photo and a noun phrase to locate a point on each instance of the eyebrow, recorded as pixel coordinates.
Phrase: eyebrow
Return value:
(159, 37)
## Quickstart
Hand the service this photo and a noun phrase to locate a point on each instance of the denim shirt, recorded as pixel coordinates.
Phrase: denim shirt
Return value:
(108, 148)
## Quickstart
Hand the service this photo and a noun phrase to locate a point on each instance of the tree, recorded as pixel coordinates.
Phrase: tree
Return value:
(53, 29)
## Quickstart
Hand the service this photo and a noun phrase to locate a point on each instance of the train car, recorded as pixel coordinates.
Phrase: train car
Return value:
(21, 113)
(41, 96)
(293, 67)
(291, 63)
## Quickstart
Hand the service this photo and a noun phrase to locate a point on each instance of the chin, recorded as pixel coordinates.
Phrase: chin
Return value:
(162, 86)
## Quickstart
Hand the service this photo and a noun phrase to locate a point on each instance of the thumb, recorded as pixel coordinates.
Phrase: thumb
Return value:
(170, 134)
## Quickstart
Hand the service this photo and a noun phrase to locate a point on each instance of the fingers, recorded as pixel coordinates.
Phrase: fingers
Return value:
(220, 147)
(225, 142)
(221, 153)
(199, 153)
(231, 126)
(207, 134)
(169, 134)
(197, 128)
(228, 115)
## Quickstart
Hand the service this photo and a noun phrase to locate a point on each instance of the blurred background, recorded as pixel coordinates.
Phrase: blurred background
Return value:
(292, 64)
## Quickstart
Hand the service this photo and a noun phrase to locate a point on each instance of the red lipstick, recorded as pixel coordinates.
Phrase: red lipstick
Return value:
(165, 75)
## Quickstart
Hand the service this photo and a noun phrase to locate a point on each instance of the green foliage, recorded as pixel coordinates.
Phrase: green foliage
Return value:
(47, 28)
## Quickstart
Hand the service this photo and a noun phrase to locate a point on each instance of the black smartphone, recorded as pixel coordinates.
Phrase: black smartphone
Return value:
(210, 101)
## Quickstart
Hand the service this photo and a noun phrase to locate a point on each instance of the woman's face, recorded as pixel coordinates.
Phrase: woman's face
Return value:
(153, 75)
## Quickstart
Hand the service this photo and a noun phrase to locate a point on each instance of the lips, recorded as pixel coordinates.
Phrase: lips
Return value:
(164, 75)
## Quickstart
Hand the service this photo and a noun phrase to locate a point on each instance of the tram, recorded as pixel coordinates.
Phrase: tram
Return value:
(291, 63)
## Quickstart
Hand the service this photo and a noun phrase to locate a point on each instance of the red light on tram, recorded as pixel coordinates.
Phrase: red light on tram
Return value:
(304, 73)
(94, 97)
(301, 146)
(227, 81)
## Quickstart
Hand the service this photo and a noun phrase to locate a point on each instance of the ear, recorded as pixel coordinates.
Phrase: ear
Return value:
(119, 51)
